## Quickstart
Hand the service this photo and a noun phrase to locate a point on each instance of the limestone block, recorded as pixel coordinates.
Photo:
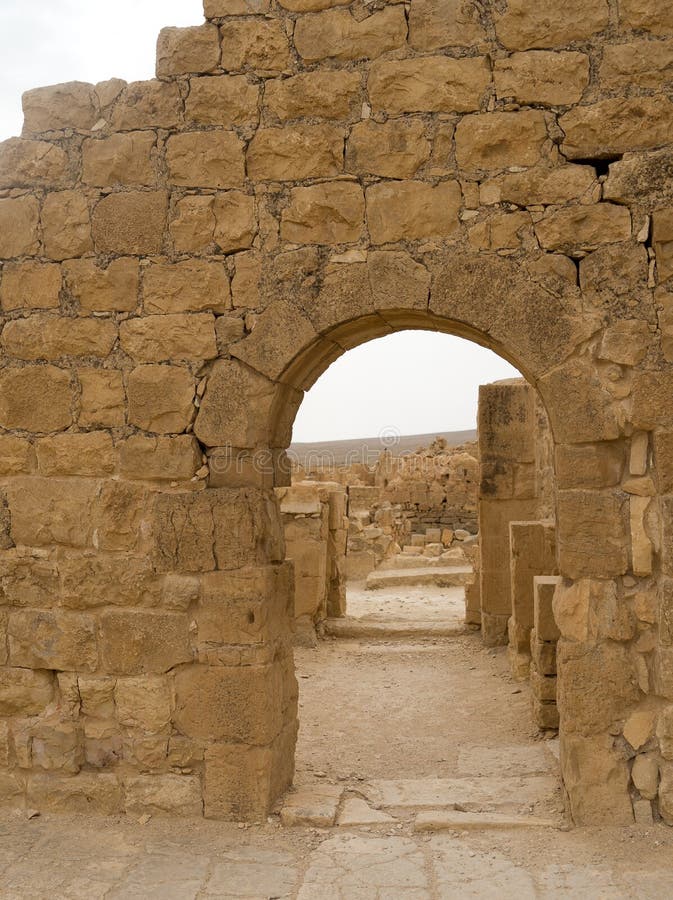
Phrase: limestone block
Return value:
(311, 5)
(25, 692)
(223, 100)
(412, 210)
(584, 227)
(113, 289)
(30, 285)
(42, 336)
(336, 34)
(175, 337)
(501, 232)
(32, 164)
(397, 274)
(544, 622)
(626, 342)
(616, 126)
(102, 398)
(88, 581)
(327, 213)
(134, 642)
(85, 792)
(160, 458)
(591, 534)
(444, 23)
(16, 455)
(392, 149)
(66, 225)
(651, 393)
(161, 398)
(544, 655)
(639, 727)
(189, 286)
(49, 639)
(662, 237)
(184, 50)
(212, 159)
(144, 702)
(60, 106)
(246, 280)
(35, 398)
(126, 159)
(499, 140)
(532, 552)
(431, 84)
(147, 104)
(641, 546)
(224, 703)
(19, 226)
(57, 745)
(645, 775)
(335, 94)
(122, 510)
(216, 8)
(237, 782)
(90, 454)
(542, 77)
(235, 408)
(156, 795)
(295, 153)
(650, 15)
(546, 716)
(28, 580)
(540, 185)
(227, 220)
(642, 62)
(543, 687)
(96, 695)
(131, 222)
(257, 45)
(521, 27)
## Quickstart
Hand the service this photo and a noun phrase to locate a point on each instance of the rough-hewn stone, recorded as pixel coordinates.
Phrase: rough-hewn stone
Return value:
(434, 84)
(336, 34)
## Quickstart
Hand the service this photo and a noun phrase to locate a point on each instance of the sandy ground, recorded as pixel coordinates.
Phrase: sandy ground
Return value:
(435, 606)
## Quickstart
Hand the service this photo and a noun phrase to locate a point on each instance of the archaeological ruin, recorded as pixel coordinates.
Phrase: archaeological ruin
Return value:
(180, 260)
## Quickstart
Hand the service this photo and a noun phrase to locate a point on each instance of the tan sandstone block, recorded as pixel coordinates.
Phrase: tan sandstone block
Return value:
(500, 140)
(650, 15)
(156, 795)
(626, 343)
(329, 213)
(246, 280)
(114, 289)
(66, 225)
(16, 455)
(126, 159)
(92, 579)
(175, 336)
(131, 222)
(211, 159)
(592, 534)
(42, 336)
(431, 84)
(255, 44)
(144, 702)
(502, 232)
(616, 126)
(57, 744)
(85, 792)
(76, 454)
(393, 149)
(596, 777)
(295, 153)
(650, 393)
(19, 224)
(184, 50)
(52, 639)
(52, 510)
(102, 401)
(189, 286)
(336, 34)
(445, 23)
(646, 63)
(541, 76)
(35, 398)
(412, 210)
(30, 285)
(160, 458)
(540, 185)
(219, 8)
(223, 100)
(134, 642)
(147, 104)
(60, 106)
(24, 692)
(311, 5)
(161, 398)
(546, 24)
(584, 227)
(235, 407)
(32, 164)
(237, 782)
(662, 238)
(227, 220)
(334, 94)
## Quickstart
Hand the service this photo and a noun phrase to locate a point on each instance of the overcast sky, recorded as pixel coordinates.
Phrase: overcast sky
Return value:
(412, 382)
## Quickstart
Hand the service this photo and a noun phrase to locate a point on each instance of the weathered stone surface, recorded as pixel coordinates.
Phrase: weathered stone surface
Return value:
(36, 398)
(334, 94)
(16, 455)
(500, 140)
(25, 692)
(501, 232)
(650, 15)
(113, 289)
(184, 50)
(131, 222)
(256, 45)
(30, 285)
(626, 342)
(646, 63)
(160, 458)
(412, 210)
(444, 23)
(541, 185)
(48, 639)
(189, 286)
(540, 76)
(32, 164)
(41, 336)
(212, 159)
(90, 454)
(613, 127)
(332, 212)
(156, 795)
(60, 106)
(57, 744)
(84, 793)
(133, 642)
(590, 610)
(662, 237)
(224, 221)
(223, 100)
(143, 702)
(19, 223)
(147, 104)
(645, 774)
(336, 34)
(596, 778)
(651, 406)
(215, 8)
(431, 84)
(584, 227)
(393, 149)
(591, 528)
(589, 465)
(233, 392)
(66, 225)
(545, 24)
(175, 337)
(102, 398)
(314, 806)
(161, 398)
(51, 511)
(295, 153)
(237, 781)
(126, 159)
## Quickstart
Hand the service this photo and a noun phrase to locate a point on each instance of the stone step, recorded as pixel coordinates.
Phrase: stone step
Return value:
(439, 576)
(454, 820)
(347, 627)
(404, 561)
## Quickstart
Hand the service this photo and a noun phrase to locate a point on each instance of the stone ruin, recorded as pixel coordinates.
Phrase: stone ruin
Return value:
(183, 257)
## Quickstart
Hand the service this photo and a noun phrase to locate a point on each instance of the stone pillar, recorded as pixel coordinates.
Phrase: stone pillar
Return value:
(543, 639)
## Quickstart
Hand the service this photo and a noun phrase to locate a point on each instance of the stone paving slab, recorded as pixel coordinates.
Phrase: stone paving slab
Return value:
(453, 820)
(505, 760)
(439, 576)
(470, 794)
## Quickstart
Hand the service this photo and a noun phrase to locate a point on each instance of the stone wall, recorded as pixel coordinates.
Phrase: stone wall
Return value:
(183, 257)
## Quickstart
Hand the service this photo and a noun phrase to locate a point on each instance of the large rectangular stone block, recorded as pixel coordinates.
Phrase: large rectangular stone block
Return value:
(532, 552)
(133, 642)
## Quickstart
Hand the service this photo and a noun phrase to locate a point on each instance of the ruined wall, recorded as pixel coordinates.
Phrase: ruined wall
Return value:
(182, 258)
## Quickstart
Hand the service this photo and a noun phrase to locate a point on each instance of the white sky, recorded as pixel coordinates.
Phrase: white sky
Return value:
(414, 382)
